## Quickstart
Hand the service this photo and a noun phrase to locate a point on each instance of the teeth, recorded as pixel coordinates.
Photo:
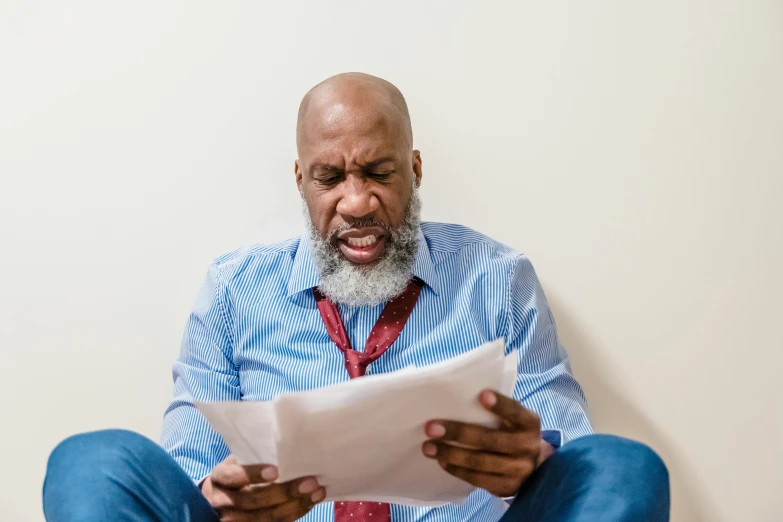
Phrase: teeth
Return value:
(362, 241)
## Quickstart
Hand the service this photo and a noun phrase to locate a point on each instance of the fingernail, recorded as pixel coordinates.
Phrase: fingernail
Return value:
(308, 486)
(430, 449)
(318, 495)
(436, 430)
(269, 473)
(489, 398)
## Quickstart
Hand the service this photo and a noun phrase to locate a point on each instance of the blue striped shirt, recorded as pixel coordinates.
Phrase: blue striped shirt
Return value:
(255, 333)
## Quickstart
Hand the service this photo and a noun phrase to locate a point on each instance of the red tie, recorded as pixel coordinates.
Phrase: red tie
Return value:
(386, 330)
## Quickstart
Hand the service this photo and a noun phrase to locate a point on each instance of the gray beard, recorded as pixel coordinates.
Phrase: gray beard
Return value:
(355, 285)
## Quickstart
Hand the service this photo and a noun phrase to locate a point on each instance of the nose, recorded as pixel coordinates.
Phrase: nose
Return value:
(357, 200)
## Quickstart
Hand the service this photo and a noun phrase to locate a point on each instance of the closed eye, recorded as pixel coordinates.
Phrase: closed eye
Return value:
(329, 180)
(380, 176)
(329, 177)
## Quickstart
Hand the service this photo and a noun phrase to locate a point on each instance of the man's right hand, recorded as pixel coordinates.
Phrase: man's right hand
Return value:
(240, 493)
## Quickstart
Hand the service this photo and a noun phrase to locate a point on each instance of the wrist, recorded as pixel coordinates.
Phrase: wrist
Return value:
(206, 486)
(546, 450)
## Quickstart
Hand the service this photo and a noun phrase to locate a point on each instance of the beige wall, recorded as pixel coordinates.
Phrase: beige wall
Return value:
(633, 149)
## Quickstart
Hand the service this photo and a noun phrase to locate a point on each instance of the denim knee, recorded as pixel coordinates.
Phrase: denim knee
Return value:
(609, 450)
(84, 468)
(625, 466)
(96, 447)
(596, 477)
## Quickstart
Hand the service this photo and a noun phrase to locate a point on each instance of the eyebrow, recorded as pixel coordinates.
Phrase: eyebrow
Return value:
(374, 163)
(366, 166)
(324, 166)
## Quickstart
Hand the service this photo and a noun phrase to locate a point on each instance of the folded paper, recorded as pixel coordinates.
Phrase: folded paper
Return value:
(362, 438)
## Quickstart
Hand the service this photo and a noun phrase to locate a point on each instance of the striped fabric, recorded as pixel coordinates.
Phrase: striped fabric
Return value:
(255, 333)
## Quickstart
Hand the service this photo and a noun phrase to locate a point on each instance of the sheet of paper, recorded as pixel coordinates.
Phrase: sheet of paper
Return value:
(362, 438)
(248, 428)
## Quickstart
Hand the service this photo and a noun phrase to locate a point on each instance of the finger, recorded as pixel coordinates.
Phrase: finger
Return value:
(295, 509)
(498, 485)
(520, 467)
(483, 438)
(230, 474)
(235, 515)
(291, 510)
(509, 410)
(263, 496)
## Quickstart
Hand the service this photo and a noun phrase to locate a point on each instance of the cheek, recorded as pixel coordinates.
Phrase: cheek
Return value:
(322, 211)
(395, 202)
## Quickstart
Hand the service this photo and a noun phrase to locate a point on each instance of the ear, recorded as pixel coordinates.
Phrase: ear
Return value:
(298, 174)
(417, 172)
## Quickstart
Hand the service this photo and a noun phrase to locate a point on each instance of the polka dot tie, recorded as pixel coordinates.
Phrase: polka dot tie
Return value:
(386, 330)
(372, 511)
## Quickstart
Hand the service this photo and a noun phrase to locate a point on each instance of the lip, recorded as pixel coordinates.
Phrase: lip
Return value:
(362, 255)
(361, 232)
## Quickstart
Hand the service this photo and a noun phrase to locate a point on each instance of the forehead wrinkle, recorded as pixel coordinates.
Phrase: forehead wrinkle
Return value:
(356, 158)
(347, 136)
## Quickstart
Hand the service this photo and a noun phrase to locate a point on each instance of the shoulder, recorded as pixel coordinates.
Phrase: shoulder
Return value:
(256, 259)
(483, 274)
(450, 240)
(463, 254)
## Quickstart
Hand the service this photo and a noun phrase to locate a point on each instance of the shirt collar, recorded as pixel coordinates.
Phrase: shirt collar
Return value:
(304, 274)
(423, 267)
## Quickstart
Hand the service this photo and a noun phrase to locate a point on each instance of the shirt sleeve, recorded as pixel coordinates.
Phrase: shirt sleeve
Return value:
(204, 371)
(545, 383)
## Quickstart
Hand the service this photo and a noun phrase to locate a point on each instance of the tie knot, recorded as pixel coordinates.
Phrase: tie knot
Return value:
(356, 363)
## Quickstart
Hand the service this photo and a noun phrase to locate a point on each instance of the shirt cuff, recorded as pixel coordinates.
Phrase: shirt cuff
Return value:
(553, 437)
(200, 483)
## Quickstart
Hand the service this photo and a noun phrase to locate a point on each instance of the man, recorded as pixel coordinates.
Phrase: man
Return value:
(277, 319)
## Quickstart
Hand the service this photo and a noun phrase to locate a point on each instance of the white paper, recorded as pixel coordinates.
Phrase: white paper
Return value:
(362, 438)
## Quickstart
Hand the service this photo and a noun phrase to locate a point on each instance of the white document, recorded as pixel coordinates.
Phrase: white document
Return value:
(362, 438)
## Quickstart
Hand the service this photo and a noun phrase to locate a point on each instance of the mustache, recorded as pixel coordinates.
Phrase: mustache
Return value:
(359, 223)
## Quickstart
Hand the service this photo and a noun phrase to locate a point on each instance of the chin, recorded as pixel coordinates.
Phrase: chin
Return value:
(364, 266)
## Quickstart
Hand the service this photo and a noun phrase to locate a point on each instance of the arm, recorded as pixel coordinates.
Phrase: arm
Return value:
(204, 371)
(547, 402)
(545, 383)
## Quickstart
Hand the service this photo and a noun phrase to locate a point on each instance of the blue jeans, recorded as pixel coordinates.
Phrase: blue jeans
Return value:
(121, 476)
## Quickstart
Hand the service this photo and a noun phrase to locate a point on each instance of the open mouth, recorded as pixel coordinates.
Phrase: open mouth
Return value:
(362, 245)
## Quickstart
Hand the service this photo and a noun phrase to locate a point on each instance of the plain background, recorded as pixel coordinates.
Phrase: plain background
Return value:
(634, 150)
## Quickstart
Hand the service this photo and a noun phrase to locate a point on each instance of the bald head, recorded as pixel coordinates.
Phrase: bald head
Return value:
(354, 92)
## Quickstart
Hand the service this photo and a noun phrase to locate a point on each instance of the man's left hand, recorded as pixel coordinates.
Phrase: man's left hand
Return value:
(496, 459)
